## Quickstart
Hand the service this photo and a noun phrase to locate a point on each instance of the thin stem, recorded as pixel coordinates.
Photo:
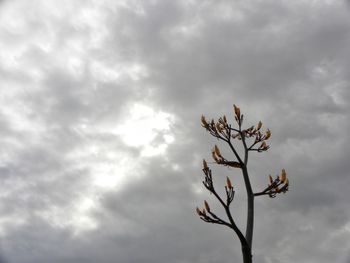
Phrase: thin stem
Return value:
(250, 209)
(250, 194)
(233, 149)
(208, 183)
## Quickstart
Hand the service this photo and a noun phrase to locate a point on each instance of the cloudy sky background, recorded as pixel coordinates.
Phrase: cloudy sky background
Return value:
(101, 144)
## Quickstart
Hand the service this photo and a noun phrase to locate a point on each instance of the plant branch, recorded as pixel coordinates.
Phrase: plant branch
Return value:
(222, 130)
(208, 184)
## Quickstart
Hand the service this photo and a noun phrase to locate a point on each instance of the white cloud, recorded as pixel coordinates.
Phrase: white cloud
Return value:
(141, 125)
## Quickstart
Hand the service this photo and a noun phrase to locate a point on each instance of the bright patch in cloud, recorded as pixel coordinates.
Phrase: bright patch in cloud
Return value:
(146, 129)
(110, 166)
(111, 173)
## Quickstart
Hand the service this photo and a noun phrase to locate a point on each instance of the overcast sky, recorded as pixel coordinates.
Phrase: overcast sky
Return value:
(100, 136)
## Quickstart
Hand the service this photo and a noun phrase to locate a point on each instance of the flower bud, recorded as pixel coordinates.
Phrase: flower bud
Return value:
(259, 125)
(250, 129)
(263, 146)
(237, 111)
(218, 127)
(204, 122)
(270, 178)
(205, 165)
(212, 122)
(214, 156)
(199, 212)
(206, 205)
(283, 176)
(217, 151)
(228, 182)
(267, 135)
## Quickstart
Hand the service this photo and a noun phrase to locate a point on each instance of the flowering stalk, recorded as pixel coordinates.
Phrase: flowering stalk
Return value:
(253, 139)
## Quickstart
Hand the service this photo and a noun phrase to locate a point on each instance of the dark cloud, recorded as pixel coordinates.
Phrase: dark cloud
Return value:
(77, 188)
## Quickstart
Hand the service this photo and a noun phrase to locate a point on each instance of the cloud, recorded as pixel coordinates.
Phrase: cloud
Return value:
(101, 138)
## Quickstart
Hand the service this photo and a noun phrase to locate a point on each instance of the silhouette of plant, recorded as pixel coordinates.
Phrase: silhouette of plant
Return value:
(253, 140)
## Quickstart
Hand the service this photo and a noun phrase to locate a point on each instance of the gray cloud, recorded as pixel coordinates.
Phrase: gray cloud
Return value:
(76, 188)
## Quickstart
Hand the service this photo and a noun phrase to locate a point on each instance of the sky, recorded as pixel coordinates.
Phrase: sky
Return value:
(101, 142)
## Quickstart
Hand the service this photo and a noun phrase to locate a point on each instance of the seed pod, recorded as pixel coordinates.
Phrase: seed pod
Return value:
(199, 212)
(225, 120)
(228, 182)
(270, 178)
(206, 205)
